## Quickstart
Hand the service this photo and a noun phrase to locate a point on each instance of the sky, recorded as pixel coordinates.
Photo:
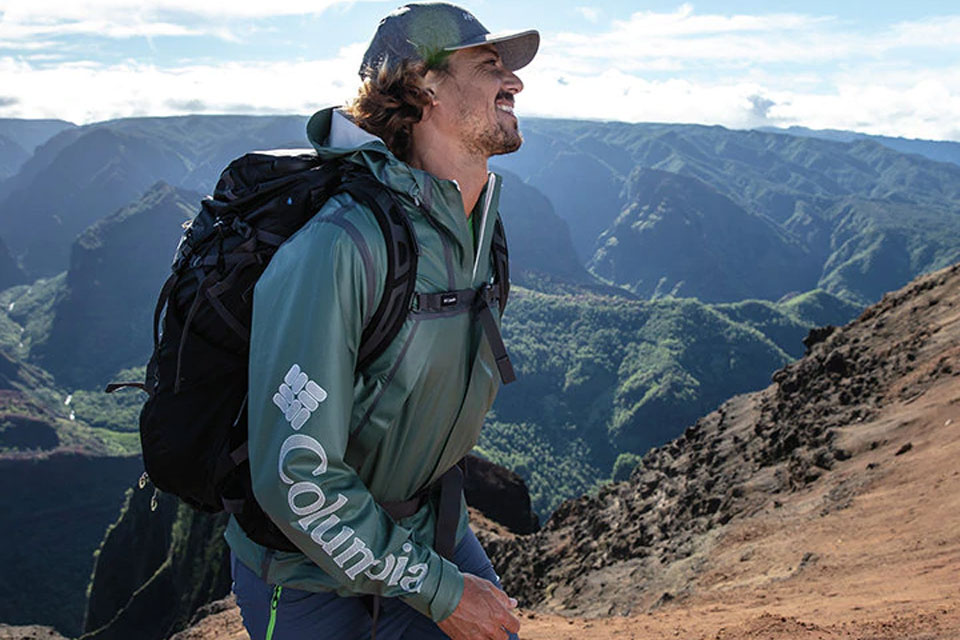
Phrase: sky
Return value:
(879, 67)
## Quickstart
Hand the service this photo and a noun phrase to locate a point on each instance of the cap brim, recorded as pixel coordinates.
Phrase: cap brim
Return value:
(516, 49)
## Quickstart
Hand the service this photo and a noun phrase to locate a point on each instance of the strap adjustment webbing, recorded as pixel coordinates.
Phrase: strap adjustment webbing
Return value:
(492, 331)
(448, 514)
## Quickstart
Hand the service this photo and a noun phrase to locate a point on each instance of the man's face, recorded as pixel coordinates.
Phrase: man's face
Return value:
(475, 101)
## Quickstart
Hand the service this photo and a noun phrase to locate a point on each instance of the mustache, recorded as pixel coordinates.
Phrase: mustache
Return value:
(506, 96)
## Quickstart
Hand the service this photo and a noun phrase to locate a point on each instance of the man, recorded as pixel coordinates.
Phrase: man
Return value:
(436, 103)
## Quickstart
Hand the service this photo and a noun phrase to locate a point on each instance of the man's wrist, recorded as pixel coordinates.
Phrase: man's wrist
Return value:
(442, 600)
(449, 592)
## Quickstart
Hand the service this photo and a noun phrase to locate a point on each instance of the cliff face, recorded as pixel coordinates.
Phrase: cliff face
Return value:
(137, 527)
(49, 540)
(10, 272)
(104, 323)
(156, 569)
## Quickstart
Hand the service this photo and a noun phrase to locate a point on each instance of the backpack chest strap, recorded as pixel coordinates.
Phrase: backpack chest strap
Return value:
(479, 301)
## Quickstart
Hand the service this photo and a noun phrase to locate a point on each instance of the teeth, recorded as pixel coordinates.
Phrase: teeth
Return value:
(506, 108)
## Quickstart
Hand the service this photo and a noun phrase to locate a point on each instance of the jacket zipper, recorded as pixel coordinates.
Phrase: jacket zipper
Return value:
(483, 224)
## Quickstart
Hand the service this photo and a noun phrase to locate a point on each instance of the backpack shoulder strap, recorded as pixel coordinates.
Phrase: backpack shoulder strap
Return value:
(401, 278)
(501, 265)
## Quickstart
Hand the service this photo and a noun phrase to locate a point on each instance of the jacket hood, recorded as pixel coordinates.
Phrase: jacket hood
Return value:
(334, 136)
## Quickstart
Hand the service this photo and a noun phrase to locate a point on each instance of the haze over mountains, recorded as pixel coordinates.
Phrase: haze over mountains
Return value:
(658, 270)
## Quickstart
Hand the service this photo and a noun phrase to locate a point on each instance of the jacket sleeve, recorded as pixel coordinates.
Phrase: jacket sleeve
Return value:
(308, 313)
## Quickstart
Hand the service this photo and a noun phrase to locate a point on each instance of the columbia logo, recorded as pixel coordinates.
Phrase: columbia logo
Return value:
(298, 397)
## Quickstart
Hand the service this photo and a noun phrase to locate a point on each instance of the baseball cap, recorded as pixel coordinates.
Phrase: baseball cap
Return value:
(419, 31)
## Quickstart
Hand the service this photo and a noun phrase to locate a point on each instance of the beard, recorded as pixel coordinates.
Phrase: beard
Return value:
(481, 137)
(503, 141)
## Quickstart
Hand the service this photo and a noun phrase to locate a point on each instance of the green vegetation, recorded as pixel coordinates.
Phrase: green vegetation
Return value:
(37, 413)
(27, 313)
(553, 466)
(600, 375)
(624, 466)
(787, 323)
(118, 411)
(601, 379)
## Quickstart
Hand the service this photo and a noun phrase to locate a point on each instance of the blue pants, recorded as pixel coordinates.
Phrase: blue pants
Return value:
(308, 615)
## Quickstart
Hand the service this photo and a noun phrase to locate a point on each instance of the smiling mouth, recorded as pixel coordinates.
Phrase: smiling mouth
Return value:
(504, 102)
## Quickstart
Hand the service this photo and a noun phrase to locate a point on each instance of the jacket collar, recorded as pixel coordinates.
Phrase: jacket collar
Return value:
(334, 135)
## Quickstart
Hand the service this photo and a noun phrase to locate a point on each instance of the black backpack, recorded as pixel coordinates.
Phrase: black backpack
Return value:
(193, 427)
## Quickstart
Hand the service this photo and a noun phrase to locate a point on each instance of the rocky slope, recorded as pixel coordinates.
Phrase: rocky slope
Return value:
(830, 411)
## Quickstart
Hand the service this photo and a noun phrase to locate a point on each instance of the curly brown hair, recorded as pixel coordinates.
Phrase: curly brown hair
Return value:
(391, 101)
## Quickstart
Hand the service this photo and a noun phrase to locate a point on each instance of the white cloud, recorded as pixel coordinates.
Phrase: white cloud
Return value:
(25, 20)
(122, 10)
(738, 71)
(690, 40)
(914, 105)
(942, 31)
(591, 14)
(22, 34)
(87, 91)
(744, 71)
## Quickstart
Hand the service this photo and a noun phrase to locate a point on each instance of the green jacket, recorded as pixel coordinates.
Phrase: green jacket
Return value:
(327, 443)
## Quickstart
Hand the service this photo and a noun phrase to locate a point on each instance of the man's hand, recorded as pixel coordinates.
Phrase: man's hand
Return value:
(484, 613)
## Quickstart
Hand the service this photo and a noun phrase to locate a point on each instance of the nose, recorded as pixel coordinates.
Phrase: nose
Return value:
(512, 82)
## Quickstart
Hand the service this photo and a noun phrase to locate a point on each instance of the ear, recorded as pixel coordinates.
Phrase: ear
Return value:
(431, 84)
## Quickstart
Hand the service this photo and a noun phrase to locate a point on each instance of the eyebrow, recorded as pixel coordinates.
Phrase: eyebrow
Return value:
(487, 50)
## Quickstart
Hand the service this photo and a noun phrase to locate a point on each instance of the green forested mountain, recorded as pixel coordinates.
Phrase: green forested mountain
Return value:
(786, 323)
(939, 150)
(677, 236)
(82, 174)
(599, 376)
(852, 206)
